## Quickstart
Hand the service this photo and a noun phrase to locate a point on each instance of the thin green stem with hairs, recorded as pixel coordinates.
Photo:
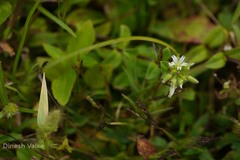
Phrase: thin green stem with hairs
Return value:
(107, 43)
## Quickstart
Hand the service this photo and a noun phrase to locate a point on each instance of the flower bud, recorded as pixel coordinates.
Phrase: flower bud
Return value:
(10, 110)
(43, 104)
(166, 78)
(192, 79)
(180, 82)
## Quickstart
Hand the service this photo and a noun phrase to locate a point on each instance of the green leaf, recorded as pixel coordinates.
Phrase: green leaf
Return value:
(197, 54)
(62, 87)
(199, 125)
(205, 155)
(166, 54)
(236, 14)
(53, 51)
(114, 59)
(104, 29)
(56, 20)
(94, 78)
(85, 37)
(10, 137)
(189, 94)
(217, 61)
(164, 66)
(106, 71)
(88, 61)
(124, 32)
(78, 16)
(234, 53)
(153, 72)
(5, 11)
(120, 81)
(216, 37)
(24, 153)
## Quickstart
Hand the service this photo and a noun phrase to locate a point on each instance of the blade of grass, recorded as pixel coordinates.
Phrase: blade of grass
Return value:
(56, 20)
(3, 93)
(236, 14)
(27, 110)
(20, 47)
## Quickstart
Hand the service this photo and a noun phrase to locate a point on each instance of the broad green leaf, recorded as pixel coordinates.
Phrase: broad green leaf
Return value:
(199, 125)
(236, 14)
(43, 104)
(124, 32)
(114, 59)
(216, 37)
(85, 37)
(88, 61)
(37, 40)
(55, 71)
(62, 86)
(225, 18)
(205, 155)
(166, 54)
(234, 53)
(24, 153)
(188, 94)
(120, 81)
(5, 11)
(77, 17)
(217, 61)
(104, 29)
(153, 72)
(164, 66)
(94, 78)
(53, 51)
(106, 71)
(56, 20)
(197, 54)
(10, 137)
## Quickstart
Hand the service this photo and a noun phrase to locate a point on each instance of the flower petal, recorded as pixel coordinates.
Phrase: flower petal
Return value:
(184, 64)
(181, 59)
(175, 59)
(171, 92)
(171, 64)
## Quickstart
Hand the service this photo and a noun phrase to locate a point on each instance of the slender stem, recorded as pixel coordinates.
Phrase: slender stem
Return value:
(106, 43)
(3, 93)
(19, 51)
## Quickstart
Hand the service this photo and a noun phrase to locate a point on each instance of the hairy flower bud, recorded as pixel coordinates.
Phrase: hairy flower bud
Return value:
(166, 78)
(10, 110)
(192, 79)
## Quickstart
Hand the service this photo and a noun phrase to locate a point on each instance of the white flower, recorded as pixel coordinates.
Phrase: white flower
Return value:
(178, 63)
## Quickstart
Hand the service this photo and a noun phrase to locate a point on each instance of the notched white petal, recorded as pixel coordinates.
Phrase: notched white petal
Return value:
(175, 59)
(181, 59)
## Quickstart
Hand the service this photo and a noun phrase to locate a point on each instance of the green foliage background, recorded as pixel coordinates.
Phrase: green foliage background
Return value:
(106, 78)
